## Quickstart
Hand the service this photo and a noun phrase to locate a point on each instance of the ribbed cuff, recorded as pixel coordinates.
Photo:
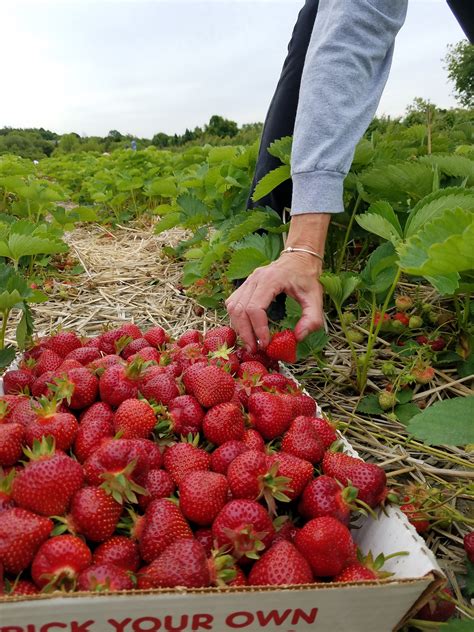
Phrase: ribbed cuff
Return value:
(317, 192)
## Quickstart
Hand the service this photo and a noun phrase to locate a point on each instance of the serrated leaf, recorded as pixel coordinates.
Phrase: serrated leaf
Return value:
(397, 182)
(443, 247)
(191, 207)
(451, 164)
(161, 187)
(281, 149)
(404, 395)
(7, 355)
(434, 205)
(364, 152)
(339, 286)
(448, 422)
(369, 405)
(169, 221)
(380, 269)
(313, 343)
(458, 625)
(244, 261)
(270, 181)
(405, 412)
(378, 225)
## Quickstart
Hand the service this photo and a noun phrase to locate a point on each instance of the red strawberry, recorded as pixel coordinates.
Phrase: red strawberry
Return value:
(245, 526)
(119, 466)
(22, 587)
(17, 381)
(302, 440)
(281, 565)
(369, 479)
(223, 422)
(133, 347)
(225, 359)
(253, 440)
(417, 518)
(149, 354)
(84, 355)
(185, 416)
(271, 414)
(422, 340)
(66, 365)
(152, 452)
(355, 573)
(190, 336)
(223, 456)
(213, 386)
(104, 578)
(278, 383)
(189, 355)
(323, 496)
(326, 431)
(24, 412)
(48, 482)
(182, 563)
(218, 337)
(327, 545)
(101, 364)
(159, 387)
(163, 524)
(304, 405)
(202, 495)
(119, 383)
(78, 386)
(252, 475)
(296, 471)
(63, 343)
(402, 318)
(469, 546)
(50, 421)
(48, 361)
(440, 607)
(94, 514)
(285, 529)
(118, 550)
(240, 579)
(252, 369)
(156, 336)
(386, 319)
(115, 340)
(12, 437)
(134, 419)
(282, 346)
(92, 434)
(438, 344)
(21, 533)
(59, 561)
(182, 458)
(158, 484)
(42, 384)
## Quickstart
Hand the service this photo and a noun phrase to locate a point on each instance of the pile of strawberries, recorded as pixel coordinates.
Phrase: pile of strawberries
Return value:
(130, 460)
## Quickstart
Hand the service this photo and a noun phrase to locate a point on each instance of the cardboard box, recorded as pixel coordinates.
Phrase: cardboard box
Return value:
(378, 606)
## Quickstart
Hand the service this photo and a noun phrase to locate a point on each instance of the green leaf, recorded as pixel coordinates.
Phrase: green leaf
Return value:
(444, 283)
(449, 422)
(8, 300)
(404, 395)
(339, 286)
(313, 343)
(467, 367)
(281, 149)
(434, 205)
(191, 272)
(457, 625)
(369, 405)
(385, 210)
(270, 181)
(364, 152)
(378, 225)
(7, 355)
(244, 261)
(161, 187)
(451, 165)
(381, 269)
(169, 221)
(398, 182)
(443, 247)
(405, 412)
(192, 207)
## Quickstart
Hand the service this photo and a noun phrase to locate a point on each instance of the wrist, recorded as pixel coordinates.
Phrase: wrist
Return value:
(308, 231)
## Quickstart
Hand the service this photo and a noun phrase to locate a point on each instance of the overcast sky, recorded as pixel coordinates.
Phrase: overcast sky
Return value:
(146, 66)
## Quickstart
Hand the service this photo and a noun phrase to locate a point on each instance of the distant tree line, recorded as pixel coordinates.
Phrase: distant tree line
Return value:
(39, 143)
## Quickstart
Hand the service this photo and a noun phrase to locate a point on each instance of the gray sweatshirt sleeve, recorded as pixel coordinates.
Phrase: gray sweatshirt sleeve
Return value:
(345, 71)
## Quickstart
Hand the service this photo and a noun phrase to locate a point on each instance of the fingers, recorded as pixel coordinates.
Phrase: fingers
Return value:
(312, 316)
(236, 307)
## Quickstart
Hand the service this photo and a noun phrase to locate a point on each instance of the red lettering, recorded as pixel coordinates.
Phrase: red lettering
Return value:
(302, 615)
(169, 627)
(119, 625)
(11, 628)
(202, 621)
(81, 627)
(272, 617)
(233, 619)
(155, 624)
(54, 624)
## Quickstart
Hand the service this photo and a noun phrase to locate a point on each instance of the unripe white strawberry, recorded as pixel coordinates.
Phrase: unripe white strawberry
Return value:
(403, 303)
(387, 400)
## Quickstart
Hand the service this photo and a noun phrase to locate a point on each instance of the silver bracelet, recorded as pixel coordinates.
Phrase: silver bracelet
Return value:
(309, 252)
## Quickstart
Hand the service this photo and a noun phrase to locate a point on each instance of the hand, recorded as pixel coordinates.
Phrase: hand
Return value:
(295, 274)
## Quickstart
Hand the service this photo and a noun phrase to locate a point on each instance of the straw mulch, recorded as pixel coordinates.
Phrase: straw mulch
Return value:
(127, 278)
